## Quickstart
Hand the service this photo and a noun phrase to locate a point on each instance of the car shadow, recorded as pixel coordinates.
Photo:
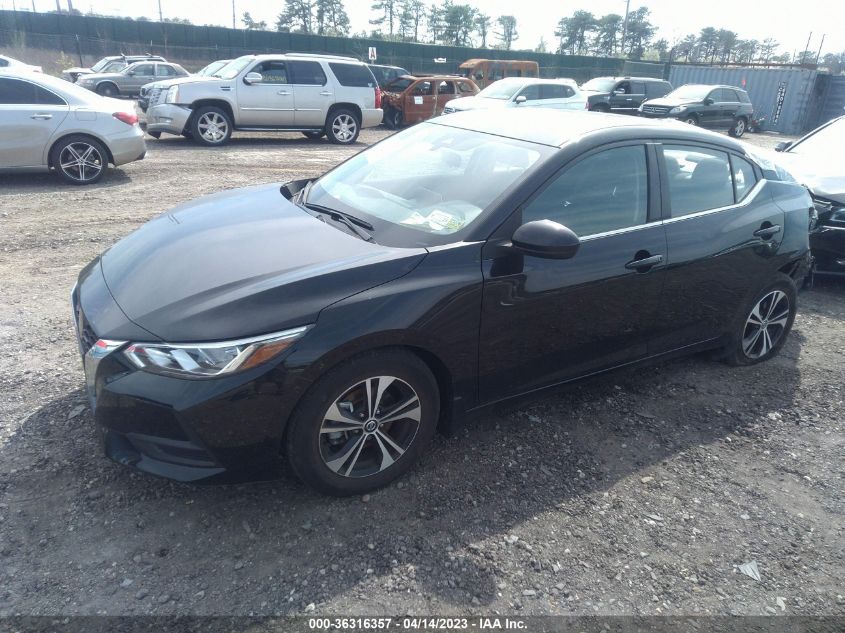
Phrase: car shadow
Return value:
(242, 140)
(14, 184)
(85, 519)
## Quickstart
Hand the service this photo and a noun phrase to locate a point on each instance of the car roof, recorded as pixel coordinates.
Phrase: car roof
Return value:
(712, 86)
(549, 126)
(629, 78)
(537, 80)
(69, 91)
(338, 58)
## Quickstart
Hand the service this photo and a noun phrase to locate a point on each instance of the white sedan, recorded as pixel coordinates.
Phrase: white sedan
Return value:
(562, 94)
(49, 124)
(15, 64)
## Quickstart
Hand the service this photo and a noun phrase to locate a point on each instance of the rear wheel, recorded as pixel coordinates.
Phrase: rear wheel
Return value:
(79, 160)
(739, 127)
(764, 323)
(343, 127)
(364, 423)
(211, 126)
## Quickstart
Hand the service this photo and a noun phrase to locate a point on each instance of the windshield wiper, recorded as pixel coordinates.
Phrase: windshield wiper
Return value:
(354, 224)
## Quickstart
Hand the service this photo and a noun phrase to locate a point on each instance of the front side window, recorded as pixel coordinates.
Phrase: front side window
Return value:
(272, 72)
(699, 179)
(422, 88)
(531, 93)
(422, 186)
(555, 91)
(603, 192)
(144, 70)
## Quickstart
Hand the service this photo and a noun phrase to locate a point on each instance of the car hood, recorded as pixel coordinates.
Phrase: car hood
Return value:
(671, 102)
(78, 70)
(98, 76)
(242, 263)
(821, 175)
(478, 103)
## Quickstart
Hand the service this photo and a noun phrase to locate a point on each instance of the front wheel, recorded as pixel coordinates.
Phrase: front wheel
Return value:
(393, 119)
(738, 128)
(107, 90)
(763, 324)
(364, 423)
(343, 127)
(211, 126)
(79, 160)
(691, 119)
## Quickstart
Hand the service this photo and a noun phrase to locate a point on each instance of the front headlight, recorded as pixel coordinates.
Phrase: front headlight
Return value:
(172, 94)
(208, 360)
(677, 109)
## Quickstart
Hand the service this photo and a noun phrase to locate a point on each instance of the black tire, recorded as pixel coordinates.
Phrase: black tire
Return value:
(187, 134)
(738, 352)
(313, 135)
(393, 118)
(739, 127)
(155, 134)
(600, 107)
(342, 126)
(72, 149)
(311, 449)
(107, 89)
(211, 126)
(690, 119)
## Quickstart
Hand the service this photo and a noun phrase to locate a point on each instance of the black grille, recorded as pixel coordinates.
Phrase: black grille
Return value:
(86, 334)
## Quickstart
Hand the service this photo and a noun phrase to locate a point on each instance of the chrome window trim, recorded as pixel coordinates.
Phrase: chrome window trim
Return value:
(736, 205)
(35, 83)
(627, 229)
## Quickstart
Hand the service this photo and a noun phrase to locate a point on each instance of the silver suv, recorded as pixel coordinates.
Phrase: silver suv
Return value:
(314, 94)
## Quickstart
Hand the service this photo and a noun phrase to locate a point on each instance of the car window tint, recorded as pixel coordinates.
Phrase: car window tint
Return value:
(744, 177)
(464, 86)
(272, 72)
(699, 179)
(531, 93)
(307, 73)
(16, 92)
(354, 75)
(146, 70)
(603, 192)
(623, 87)
(555, 91)
(446, 88)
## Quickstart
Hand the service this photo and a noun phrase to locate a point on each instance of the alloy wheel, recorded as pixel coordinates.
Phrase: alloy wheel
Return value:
(81, 161)
(739, 128)
(213, 127)
(344, 127)
(766, 324)
(370, 426)
(691, 120)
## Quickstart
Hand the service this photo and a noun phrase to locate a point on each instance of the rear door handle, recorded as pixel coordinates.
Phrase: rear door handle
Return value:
(766, 232)
(644, 263)
(43, 117)
(283, 92)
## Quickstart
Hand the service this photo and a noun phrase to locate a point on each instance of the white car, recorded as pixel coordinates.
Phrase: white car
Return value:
(562, 94)
(48, 124)
(11, 63)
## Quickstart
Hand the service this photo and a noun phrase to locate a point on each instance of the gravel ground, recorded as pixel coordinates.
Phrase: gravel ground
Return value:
(639, 492)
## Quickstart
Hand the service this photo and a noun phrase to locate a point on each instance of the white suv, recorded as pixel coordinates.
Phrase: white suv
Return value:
(313, 94)
(511, 92)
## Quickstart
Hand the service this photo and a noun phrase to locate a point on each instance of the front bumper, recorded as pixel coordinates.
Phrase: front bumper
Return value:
(220, 429)
(168, 117)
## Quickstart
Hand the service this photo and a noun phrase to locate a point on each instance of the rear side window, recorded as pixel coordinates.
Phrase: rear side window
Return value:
(144, 70)
(554, 91)
(729, 95)
(162, 70)
(446, 88)
(657, 88)
(743, 96)
(699, 179)
(637, 88)
(463, 86)
(603, 192)
(353, 75)
(307, 73)
(16, 92)
(744, 177)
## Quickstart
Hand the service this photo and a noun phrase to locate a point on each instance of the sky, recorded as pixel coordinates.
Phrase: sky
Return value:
(789, 23)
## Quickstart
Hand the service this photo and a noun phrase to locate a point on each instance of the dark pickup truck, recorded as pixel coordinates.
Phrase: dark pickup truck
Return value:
(622, 95)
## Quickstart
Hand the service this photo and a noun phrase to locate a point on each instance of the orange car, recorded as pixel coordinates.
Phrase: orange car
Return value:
(407, 100)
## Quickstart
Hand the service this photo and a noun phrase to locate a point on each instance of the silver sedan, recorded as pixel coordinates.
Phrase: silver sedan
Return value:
(49, 124)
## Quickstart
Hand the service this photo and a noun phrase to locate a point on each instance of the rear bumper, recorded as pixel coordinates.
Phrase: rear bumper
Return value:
(371, 117)
(128, 147)
(168, 117)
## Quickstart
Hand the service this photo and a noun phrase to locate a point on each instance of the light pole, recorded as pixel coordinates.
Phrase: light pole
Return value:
(234, 24)
(160, 14)
(625, 25)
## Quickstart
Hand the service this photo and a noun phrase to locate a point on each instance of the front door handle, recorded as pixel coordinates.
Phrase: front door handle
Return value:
(644, 264)
(766, 232)
(43, 117)
(283, 92)
(326, 93)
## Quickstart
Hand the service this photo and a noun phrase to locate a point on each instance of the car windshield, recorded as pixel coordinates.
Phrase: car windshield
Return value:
(101, 65)
(501, 90)
(398, 85)
(696, 93)
(234, 67)
(599, 85)
(212, 68)
(428, 184)
(826, 143)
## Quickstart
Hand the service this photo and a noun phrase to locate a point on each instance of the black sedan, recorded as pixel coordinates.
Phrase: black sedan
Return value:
(464, 261)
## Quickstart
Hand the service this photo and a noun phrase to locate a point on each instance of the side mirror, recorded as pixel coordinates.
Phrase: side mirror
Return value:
(547, 239)
(521, 99)
(708, 101)
(253, 78)
(613, 93)
(782, 146)
(131, 73)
